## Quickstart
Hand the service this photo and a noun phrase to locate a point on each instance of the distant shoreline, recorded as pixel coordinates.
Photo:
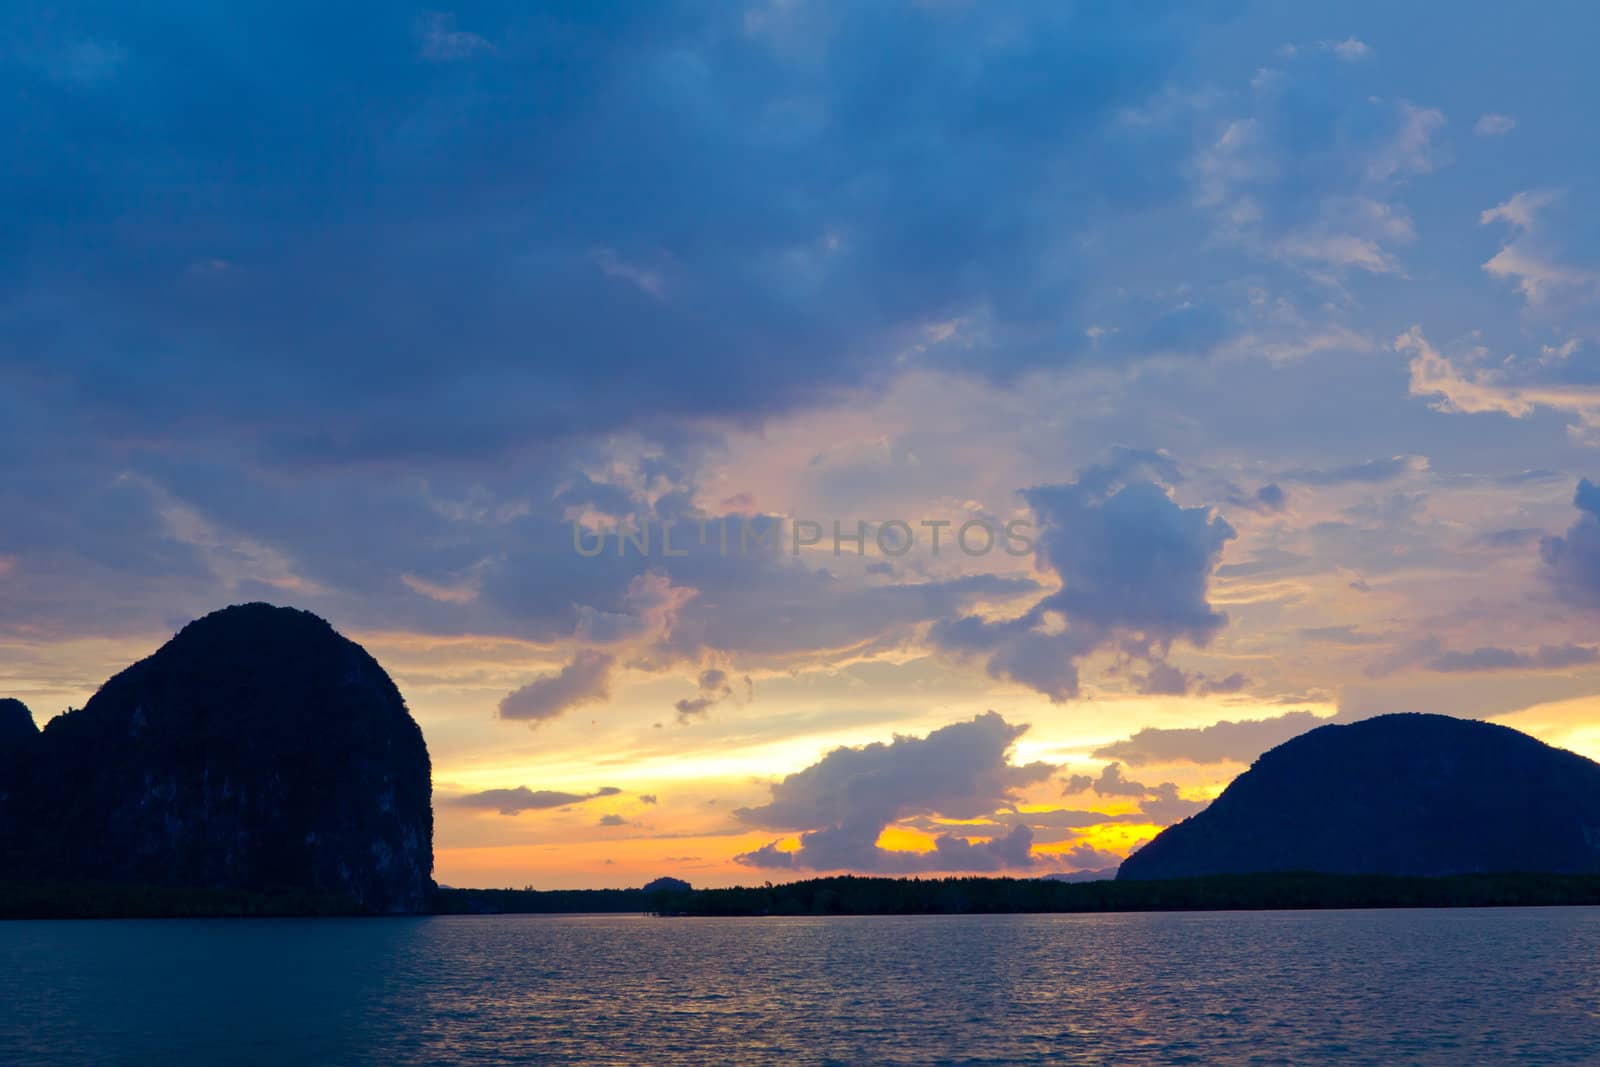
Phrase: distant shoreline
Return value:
(846, 895)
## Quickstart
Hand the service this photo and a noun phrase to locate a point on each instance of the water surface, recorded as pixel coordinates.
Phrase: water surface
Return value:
(1447, 987)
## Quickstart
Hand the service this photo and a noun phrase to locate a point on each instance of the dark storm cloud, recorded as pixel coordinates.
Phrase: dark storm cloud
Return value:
(1134, 567)
(1133, 561)
(843, 802)
(1572, 561)
(520, 799)
(379, 233)
(377, 276)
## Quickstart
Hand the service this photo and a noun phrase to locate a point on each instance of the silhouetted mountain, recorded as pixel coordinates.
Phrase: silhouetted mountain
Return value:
(257, 750)
(17, 728)
(668, 883)
(18, 735)
(1399, 795)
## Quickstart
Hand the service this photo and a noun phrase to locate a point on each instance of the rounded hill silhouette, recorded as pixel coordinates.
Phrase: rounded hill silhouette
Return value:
(1397, 794)
(256, 750)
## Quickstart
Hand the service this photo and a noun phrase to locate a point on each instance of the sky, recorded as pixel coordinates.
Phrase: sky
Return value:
(763, 439)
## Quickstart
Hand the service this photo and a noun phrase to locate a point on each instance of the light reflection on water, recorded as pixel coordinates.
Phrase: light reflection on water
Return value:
(1448, 987)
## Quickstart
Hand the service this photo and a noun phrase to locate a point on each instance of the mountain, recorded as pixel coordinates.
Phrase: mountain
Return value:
(17, 729)
(668, 884)
(257, 750)
(1397, 794)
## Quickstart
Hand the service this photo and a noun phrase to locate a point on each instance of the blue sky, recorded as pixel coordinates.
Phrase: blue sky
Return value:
(1278, 322)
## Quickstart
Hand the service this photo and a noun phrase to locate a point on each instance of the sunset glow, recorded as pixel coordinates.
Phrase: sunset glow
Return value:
(1128, 396)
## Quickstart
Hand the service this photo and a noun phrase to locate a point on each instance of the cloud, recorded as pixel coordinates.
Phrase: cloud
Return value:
(1529, 257)
(1090, 860)
(1078, 783)
(842, 803)
(847, 848)
(1221, 742)
(1163, 679)
(1314, 185)
(1131, 560)
(1232, 683)
(584, 680)
(1572, 560)
(683, 275)
(1112, 783)
(1514, 538)
(1351, 50)
(1062, 819)
(520, 799)
(1134, 568)
(1514, 388)
(441, 42)
(1264, 561)
(1490, 658)
(1409, 150)
(1338, 635)
(1491, 124)
(673, 218)
(747, 604)
(613, 266)
(733, 224)
(1407, 655)
(1164, 805)
(1370, 472)
(714, 688)
(1270, 499)
(1159, 803)
(613, 820)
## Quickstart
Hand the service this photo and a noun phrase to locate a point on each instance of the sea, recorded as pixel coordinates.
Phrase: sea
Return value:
(1490, 986)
